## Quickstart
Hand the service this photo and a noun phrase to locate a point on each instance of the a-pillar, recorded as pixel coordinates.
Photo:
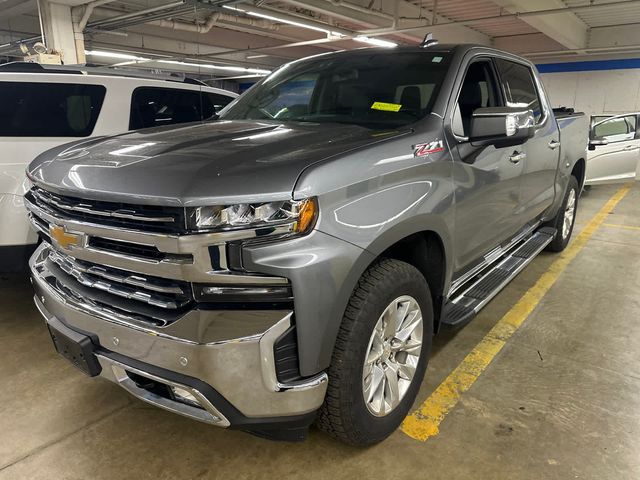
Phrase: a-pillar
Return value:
(59, 34)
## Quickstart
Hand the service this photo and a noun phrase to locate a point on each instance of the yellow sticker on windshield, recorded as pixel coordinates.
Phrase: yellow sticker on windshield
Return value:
(387, 107)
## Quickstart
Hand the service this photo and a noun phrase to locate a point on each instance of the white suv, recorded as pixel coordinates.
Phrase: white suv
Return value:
(43, 107)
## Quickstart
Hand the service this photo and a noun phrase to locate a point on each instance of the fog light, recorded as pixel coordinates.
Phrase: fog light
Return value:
(218, 290)
(248, 293)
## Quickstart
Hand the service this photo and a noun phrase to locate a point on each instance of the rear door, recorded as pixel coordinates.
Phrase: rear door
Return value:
(160, 106)
(214, 102)
(487, 178)
(34, 117)
(37, 116)
(540, 154)
(614, 152)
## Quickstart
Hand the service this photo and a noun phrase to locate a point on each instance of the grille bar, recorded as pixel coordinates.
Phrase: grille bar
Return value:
(145, 218)
(160, 294)
(65, 204)
(39, 224)
(99, 308)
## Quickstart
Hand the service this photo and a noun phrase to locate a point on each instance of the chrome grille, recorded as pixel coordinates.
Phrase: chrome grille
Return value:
(157, 292)
(147, 217)
(99, 308)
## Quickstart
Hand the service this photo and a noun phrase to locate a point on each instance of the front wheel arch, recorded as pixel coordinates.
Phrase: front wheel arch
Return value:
(345, 414)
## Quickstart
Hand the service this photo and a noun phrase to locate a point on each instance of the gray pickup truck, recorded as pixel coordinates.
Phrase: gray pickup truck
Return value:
(291, 261)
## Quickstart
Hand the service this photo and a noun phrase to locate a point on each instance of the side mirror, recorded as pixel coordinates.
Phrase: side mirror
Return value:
(594, 142)
(501, 124)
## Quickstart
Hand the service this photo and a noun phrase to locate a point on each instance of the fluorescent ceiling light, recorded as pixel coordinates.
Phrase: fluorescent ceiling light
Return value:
(126, 56)
(288, 22)
(376, 41)
(121, 56)
(227, 68)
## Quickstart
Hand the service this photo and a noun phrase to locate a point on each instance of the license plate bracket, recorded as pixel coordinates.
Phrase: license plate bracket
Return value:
(76, 347)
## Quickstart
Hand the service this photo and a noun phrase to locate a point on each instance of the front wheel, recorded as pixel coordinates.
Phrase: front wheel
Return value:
(566, 217)
(380, 354)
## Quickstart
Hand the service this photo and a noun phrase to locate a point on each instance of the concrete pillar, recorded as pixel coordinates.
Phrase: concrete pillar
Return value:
(59, 32)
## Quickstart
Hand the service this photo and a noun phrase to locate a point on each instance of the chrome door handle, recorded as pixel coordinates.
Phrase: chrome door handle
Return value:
(553, 144)
(629, 148)
(516, 157)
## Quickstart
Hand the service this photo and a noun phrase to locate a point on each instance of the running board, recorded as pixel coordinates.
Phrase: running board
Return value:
(479, 291)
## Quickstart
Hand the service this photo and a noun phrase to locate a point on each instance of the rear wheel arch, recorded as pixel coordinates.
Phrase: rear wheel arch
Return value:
(579, 172)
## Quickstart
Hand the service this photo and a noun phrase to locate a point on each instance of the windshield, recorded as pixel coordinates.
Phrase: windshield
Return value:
(374, 90)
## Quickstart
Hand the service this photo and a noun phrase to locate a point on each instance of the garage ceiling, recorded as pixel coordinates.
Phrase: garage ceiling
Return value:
(199, 35)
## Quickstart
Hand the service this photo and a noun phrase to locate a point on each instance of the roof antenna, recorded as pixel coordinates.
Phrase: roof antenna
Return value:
(428, 41)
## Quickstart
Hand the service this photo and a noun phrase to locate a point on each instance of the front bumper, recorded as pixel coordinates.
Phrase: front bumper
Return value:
(234, 379)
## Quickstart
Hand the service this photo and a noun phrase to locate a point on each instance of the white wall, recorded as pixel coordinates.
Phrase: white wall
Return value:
(594, 92)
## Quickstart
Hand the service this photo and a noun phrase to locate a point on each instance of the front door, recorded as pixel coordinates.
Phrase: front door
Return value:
(614, 151)
(540, 153)
(487, 178)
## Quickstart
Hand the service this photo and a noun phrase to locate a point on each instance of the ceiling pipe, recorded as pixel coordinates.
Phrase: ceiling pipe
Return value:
(186, 26)
(324, 8)
(88, 10)
(214, 20)
(159, 11)
(358, 8)
(367, 18)
(14, 45)
(276, 15)
(254, 26)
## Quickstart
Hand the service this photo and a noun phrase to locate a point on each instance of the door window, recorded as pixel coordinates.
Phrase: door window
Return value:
(214, 102)
(155, 107)
(34, 109)
(478, 91)
(616, 129)
(519, 87)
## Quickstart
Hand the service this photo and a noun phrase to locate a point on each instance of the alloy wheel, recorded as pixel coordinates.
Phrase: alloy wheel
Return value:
(569, 214)
(392, 355)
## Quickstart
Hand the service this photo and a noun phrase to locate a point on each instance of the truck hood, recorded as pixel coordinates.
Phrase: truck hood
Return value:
(218, 162)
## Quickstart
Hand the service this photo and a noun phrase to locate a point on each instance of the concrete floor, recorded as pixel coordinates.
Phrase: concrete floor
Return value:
(562, 399)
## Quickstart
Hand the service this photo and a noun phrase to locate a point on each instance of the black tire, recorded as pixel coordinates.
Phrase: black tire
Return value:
(561, 241)
(344, 414)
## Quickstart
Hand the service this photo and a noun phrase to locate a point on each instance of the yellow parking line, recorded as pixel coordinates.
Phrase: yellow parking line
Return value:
(617, 225)
(425, 421)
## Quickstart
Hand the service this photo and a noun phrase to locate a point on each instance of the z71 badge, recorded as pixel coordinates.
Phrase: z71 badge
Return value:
(424, 149)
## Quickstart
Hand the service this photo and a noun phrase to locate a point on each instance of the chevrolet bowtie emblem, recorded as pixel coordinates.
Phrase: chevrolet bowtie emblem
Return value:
(65, 239)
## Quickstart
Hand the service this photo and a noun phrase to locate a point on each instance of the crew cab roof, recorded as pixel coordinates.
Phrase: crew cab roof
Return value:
(446, 48)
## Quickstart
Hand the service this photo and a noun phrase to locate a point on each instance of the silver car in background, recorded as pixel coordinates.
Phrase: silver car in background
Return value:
(614, 149)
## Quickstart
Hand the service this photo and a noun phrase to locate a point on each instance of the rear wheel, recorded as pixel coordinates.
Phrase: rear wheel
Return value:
(380, 354)
(566, 217)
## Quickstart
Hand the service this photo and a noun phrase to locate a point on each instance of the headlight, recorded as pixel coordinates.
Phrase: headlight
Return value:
(291, 216)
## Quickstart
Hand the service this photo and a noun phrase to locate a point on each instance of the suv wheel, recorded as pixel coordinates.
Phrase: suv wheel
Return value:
(380, 354)
(566, 217)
